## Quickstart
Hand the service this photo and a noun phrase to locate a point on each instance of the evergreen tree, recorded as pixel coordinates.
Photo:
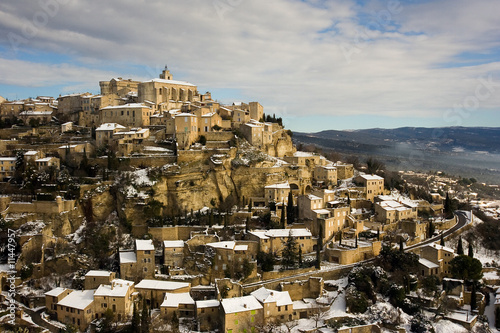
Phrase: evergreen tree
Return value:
(247, 224)
(300, 256)
(356, 241)
(431, 229)
(447, 206)
(340, 238)
(471, 251)
(290, 212)
(401, 246)
(144, 318)
(378, 233)
(460, 248)
(319, 246)
(497, 318)
(136, 320)
(441, 242)
(473, 301)
(290, 253)
(282, 221)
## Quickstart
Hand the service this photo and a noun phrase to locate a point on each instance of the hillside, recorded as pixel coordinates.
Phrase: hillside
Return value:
(464, 151)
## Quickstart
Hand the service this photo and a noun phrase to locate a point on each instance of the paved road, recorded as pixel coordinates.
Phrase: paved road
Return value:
(462, 221)
(35, 316)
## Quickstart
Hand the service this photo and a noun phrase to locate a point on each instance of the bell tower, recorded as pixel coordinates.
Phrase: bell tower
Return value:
(165, 75)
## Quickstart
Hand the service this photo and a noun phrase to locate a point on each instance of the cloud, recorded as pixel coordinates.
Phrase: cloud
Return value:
(321, 57)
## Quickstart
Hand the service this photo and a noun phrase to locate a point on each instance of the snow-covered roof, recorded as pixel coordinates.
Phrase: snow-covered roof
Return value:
(6, 159)
(264, 295)
(161, 285)
(183, 83)
(302, 154)
(35, 113)
(95, 273)
(240, 304)
(427, 263)
(55, 292)
(175, 243)
(371, 177)
(68, 146)
(78, 299)
(45, 159)
(173, 300)
(210, 303)
(321, 211)
(109, 127)
(223, 245)
(241, 247)
(271, 233)
(127, 257)
(31, 153)
(185, 114)
(278, 186)
(440, 247)
(313, 197)
(144, 245)
(118, 288)
(126, 106)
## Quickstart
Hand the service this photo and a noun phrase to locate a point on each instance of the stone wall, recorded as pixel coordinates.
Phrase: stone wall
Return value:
(42, 207)
(298, 290)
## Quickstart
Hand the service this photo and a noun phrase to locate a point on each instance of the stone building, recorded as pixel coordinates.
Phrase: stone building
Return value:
(373, 184)
(138, 264)
(392, 211)
(277, 193)
(325, 175)
(229, 256)
(117, 296)
(94, 278)
(241, 313)
(173, 253)
(154, 291)
(349, 252)
(207, 314)
(53, 297)
(277, 305)
(7, 167)
(104, 133)
(132, 114)
(77, 309)
(273, 240)
(181, 303)
(439, 255)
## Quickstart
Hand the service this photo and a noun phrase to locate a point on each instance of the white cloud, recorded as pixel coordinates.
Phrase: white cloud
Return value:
(285, 53)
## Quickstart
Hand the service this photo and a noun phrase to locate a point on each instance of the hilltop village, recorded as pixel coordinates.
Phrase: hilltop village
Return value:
(153, 207)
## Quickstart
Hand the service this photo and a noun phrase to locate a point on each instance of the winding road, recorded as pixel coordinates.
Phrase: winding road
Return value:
(462, 220)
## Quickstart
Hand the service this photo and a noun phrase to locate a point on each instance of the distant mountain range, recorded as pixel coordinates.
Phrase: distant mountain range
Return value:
(465, 151)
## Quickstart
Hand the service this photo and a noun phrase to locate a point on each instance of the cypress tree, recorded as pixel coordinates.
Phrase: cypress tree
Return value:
(144, 318)
(319, 246)
(300, 256)
(401, 246)
(473, 302)
(356, 242)
(497, 318)
(247, 224)
(290, 212)
(442, 240)
(460, 248)
(136, 320)
(430, 229)
(340, 238)
(282, 222)
(378, 233)
(471, 251)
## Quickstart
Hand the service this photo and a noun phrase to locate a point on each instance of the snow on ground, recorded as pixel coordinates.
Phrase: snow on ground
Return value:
(141, 178)
(490, 312)
(446, 326)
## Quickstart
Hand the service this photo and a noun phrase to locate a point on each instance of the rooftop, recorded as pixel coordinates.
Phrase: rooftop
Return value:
(240, 304)
(78, 299)
(264, 295)
(144, 245)
(173, 300)
(161, 285)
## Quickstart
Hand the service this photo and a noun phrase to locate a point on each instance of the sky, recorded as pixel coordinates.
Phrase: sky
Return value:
(318, 64)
